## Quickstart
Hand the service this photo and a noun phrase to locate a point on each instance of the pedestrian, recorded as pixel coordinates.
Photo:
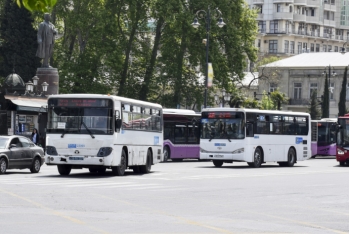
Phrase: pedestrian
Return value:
(35, 136)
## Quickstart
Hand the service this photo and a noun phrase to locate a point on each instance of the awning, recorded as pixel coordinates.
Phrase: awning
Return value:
(28, 104)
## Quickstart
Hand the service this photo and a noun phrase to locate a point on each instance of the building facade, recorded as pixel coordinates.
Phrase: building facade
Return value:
(289, 27)
(298, 76)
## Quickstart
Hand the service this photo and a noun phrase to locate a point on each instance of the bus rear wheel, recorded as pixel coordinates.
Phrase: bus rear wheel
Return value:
(291, 157)
(217, 163)
(64, 169)
(167, 153)
(257, 158)
(120, 170)
(147, 167)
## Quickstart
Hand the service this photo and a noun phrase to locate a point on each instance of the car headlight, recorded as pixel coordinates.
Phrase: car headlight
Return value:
(51, 150)
(239, 151)
(203, 151)
(341, 152)
(104, 151)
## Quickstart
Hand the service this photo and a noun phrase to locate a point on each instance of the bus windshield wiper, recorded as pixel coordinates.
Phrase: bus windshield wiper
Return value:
(211, 137)
(228, 138)
(88, 130)
(66, 131)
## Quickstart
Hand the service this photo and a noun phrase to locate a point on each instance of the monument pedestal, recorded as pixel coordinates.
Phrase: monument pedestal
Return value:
(50, 76)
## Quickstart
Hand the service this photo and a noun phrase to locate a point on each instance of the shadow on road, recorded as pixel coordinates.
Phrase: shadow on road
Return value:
(247, 167)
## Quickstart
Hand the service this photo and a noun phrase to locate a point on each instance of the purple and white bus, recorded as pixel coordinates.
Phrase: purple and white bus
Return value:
(181, 134)
(323, 138)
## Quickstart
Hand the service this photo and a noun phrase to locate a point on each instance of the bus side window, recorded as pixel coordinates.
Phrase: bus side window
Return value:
(249, 130)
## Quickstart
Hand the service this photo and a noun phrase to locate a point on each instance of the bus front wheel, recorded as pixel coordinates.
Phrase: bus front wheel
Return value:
(120, 170)
(257, 158)
(217, 163)
(341, 163)
(64, 169)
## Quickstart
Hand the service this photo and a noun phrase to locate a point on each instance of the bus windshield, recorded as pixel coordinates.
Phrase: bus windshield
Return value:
(80, 116)
(343, 134)
(222, 125)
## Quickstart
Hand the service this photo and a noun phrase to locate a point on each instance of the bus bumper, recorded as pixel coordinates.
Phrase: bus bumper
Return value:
(222, 156)
(78, 160)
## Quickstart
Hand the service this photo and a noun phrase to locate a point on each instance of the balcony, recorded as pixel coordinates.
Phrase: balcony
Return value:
(313, 3)
(258, 2)
(299, 102)
(283, 15)
(278, 31)
(282, 1)
(330, 23)
(260, 17)
(339, 37)
(312, 19)
(300, 2)
(299, 18)
(329, 7)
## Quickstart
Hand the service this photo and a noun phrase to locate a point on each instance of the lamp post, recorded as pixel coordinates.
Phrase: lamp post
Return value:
(207, 16)
(333, 74)
(221, 100)
(32, 89)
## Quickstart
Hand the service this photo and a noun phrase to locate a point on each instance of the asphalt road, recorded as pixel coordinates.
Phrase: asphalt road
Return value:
(180, 197)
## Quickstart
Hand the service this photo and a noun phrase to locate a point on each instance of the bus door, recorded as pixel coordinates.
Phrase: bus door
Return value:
(193, 140)
(180, 141)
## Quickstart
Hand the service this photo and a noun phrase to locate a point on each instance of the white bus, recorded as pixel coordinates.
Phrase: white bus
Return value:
(102, 132)
(254, 136)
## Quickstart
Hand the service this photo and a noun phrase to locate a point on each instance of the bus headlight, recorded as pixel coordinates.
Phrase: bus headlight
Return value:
(104, 151)
(51, 150)
(239, 151)
(341, 152)
(203, 151)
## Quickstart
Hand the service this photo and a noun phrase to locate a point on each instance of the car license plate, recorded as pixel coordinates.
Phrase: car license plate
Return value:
(218, 156)
(76, 158)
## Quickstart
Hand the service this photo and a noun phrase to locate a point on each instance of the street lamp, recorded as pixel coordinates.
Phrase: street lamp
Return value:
(333, 74)
(207, 16)
(32, 89)
(221, 100)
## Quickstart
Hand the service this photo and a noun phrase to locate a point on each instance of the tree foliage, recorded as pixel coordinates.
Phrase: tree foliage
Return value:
(343, 95)
(314, 106)
(17, 42)
(325, 103)
(37, 5)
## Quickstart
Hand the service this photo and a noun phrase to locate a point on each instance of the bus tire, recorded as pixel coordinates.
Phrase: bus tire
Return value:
(3, 165)
(120, 170)
(167, 153)
(147, 167)
(341, 163)
(64, 169)
(217, 163)
(257, 158)
(291, 157)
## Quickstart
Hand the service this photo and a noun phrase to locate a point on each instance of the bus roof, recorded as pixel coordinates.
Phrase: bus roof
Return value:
(105, 96)
(246, 110)
(168, 111)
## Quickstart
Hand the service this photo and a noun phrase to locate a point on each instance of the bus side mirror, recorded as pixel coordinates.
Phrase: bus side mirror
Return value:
(118, 123)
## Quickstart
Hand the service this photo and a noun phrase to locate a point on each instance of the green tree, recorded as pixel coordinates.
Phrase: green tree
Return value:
(343, 95)
(314, 106)
(325, 103)
(37, 5)
(17, 42)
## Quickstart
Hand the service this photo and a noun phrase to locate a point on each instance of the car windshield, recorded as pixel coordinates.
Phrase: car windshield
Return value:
(3, 143)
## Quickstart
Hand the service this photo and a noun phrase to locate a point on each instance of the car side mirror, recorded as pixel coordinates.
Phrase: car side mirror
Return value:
(13, 146)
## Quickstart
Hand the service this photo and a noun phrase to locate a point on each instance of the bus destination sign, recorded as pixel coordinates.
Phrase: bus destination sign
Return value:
(80, 102)
(222, 115)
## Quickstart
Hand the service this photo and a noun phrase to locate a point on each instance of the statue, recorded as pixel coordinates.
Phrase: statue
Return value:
(46, 40)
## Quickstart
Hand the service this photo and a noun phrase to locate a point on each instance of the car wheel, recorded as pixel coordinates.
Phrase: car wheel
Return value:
(120, 170)
(217, 163)
(167, 153)
(3, 165)
(147, 167)
(64, 169)
(257, 158)
(36, 165)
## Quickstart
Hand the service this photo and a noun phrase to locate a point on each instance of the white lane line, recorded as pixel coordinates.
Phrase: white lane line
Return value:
(131, 185)
(99, 184)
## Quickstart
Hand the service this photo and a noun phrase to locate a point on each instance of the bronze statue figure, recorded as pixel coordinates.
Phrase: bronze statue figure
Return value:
(46, 40)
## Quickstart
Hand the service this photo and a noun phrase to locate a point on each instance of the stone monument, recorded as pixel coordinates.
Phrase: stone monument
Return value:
(46, 39)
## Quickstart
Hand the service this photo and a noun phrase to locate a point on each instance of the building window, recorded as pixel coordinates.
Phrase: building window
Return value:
(317, 49)
(297, 93)
(331, 91)
(336, 49)
(292, 47)
(278, 7)
(273, 46)
(259, 43)
(312, 48)
(305, 46)
(272, 87)
(313, 88)
(274, 25)
(324, 48)
(329, 48)
(299, 47)
(262, 26)
(286, 46)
